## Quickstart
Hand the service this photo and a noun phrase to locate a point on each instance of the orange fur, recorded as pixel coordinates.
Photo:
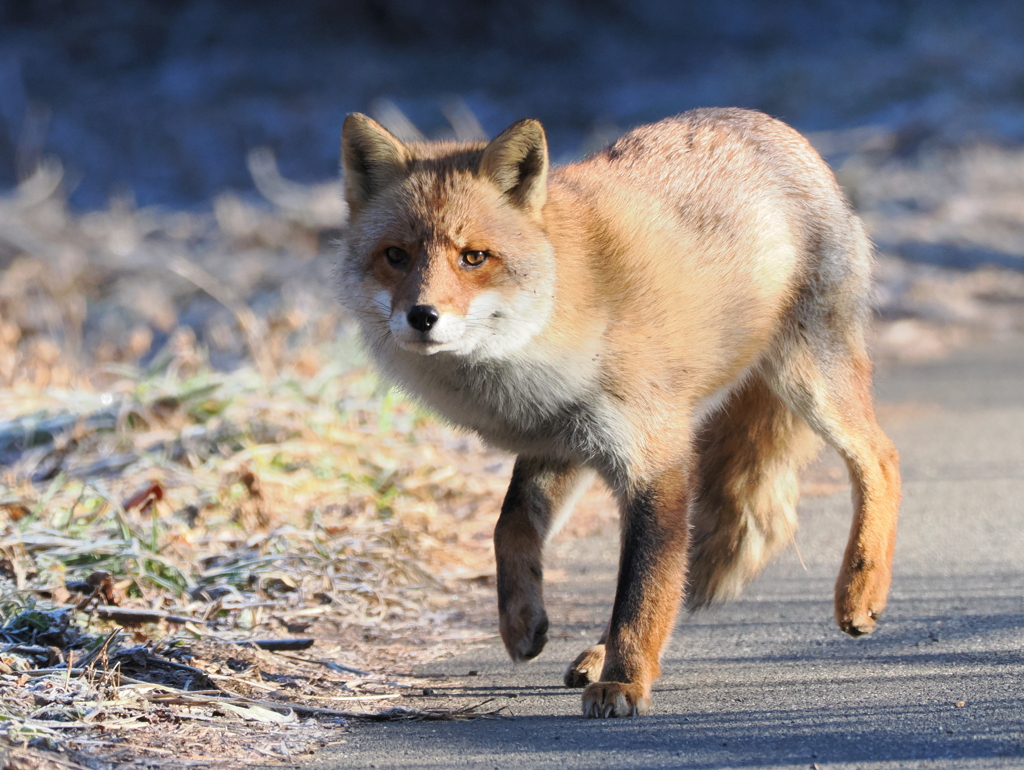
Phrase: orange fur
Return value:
(681, 314)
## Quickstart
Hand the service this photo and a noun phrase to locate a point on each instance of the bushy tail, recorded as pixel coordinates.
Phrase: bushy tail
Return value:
(745, 508)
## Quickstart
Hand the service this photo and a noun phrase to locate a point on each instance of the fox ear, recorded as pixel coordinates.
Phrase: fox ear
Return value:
(371, 159)
(516, 161)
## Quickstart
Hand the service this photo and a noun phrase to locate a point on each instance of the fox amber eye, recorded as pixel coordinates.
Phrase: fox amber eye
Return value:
(474, 258)
(395, 256)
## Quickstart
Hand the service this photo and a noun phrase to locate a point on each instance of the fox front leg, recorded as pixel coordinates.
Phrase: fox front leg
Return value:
(540, 495)
(652, 570)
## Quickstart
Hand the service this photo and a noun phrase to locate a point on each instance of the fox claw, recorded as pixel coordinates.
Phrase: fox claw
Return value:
(602, 700)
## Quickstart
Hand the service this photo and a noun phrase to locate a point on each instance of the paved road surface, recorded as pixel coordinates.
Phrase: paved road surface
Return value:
(768, 681)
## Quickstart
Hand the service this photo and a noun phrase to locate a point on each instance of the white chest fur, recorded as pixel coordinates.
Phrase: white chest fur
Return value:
(528, 403)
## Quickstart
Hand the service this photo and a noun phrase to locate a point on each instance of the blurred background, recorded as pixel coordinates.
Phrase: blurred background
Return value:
(143, 141)
(164, 98)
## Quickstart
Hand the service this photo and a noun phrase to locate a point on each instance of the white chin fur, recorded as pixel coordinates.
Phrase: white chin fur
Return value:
(426, 348)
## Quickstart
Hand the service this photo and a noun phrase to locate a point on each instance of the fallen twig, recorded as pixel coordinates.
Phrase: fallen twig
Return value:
(133, 617)
(274, 645)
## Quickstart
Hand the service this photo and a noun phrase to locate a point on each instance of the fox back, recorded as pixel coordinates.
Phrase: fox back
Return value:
(609, 297)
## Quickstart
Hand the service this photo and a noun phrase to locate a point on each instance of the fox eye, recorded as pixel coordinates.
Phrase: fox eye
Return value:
(472, 258)
(395, 256)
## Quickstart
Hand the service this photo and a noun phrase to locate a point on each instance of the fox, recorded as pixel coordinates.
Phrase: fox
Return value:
(682, 314)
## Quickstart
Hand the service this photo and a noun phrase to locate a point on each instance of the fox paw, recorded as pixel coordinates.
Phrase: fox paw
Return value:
(615, 699)
(525, 632)
(586, 668)
(860, 598)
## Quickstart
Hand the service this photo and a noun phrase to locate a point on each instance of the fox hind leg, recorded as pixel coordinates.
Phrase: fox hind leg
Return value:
(827, 380)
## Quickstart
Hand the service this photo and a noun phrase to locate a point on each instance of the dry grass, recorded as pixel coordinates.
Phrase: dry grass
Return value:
(221, 508)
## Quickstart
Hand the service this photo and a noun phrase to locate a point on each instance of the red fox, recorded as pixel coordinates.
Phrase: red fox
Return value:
(681, 314)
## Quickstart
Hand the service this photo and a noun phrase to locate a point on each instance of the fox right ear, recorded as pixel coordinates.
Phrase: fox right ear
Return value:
(371, 159)
(517, 162)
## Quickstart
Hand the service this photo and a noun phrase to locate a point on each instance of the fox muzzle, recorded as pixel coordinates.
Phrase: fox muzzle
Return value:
(422, 317)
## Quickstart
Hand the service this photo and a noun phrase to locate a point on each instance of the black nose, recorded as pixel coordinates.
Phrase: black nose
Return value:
(422, 317)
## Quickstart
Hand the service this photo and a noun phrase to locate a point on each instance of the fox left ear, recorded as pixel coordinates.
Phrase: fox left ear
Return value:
(371, 159)
(516, 161)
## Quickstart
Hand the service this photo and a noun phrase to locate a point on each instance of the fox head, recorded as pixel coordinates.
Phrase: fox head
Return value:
(446, 249)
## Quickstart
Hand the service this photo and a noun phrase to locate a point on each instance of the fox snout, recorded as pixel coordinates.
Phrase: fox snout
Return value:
(491, 325)
(426, 328)
(422, 317)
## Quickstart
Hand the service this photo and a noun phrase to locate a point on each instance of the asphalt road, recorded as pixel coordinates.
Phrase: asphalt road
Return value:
(768, 680)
